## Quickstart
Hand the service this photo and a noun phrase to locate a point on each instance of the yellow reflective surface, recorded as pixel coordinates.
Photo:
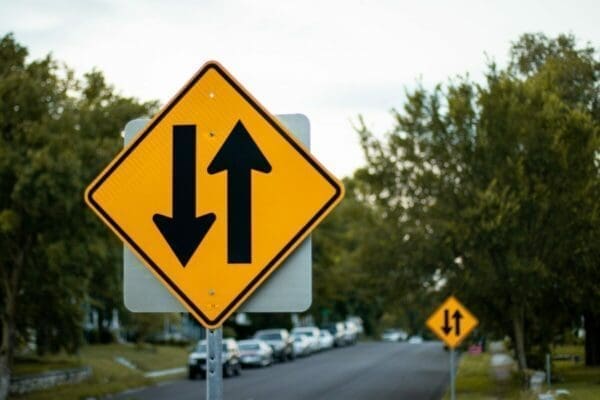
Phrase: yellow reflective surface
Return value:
(452, 322)
(286, 203)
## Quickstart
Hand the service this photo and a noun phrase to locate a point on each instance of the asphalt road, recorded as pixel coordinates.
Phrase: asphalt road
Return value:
(365, 371)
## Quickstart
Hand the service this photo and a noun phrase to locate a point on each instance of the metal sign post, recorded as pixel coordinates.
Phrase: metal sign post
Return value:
(452, 323)
(214, 366)
(452, 376)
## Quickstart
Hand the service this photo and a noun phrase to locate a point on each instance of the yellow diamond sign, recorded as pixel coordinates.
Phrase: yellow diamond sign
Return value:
(452, 322)
(213, 194)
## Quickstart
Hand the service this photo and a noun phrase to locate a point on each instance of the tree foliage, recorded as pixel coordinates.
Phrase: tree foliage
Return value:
(56, 132)
(498, 183)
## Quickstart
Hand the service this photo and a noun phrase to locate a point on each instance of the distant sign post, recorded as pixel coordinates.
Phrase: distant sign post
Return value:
(212, 196)
(452, 323)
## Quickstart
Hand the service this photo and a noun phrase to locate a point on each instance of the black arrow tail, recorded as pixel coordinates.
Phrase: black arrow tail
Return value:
(239, 220)
(184, 171)
(446, 327)
(239, 155)
(184, 231)
(457, 317)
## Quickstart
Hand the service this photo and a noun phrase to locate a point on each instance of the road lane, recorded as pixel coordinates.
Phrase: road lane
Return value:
(371, 370)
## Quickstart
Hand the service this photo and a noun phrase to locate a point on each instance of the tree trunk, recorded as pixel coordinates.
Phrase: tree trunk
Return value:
(7, 347)
(518, 319)
(8, 334)
(4, 377)
(592, 338)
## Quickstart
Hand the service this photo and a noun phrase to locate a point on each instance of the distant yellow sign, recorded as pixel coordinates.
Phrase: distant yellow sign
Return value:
(213, 195)
(452, 322)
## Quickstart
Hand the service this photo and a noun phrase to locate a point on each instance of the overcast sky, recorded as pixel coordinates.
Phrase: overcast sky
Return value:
(330, 60)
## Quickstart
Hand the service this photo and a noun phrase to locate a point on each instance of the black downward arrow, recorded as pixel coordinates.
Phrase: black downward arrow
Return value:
(457, 317)
(184, 231)
(446, 328)
(239, 155)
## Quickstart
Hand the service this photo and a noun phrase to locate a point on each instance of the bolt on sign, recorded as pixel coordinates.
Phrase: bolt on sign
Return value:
(213, 194)
(452, 322)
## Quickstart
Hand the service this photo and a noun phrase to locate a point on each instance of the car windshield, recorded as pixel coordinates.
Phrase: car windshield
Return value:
(269, 336)
(249, 346)
(298, 339)
(306, 333)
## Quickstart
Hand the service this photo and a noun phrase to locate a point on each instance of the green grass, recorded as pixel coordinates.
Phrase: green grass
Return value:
(108, 376)
(474, 381)
(583, 382)
(36, 365)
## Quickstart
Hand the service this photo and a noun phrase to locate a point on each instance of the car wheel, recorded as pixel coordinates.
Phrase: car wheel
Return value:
(227, 370)
(191, 374)
(238, 369)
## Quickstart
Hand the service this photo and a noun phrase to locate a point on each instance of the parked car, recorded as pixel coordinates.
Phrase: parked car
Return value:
(358, 322)
(301, 345)
(312, 333)
(337, 331)
(416, 339)
(351, 332)
(393, 335)
(230, 359)
(325, 340)
(280, 341)
(255, 352)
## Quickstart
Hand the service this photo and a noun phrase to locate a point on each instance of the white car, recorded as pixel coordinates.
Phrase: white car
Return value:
(280, 341)
(393, 335)
(255, 352)
(338, 332)
(351, 332)
(230, 358)
(415, 339)
(358, 322)
(301, 345)
(312, 334)
(325, 340)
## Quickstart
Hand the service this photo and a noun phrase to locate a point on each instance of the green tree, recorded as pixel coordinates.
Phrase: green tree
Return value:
(101, 113)
(363, 265)
(55, 133)
(497, 184)
(339, 286)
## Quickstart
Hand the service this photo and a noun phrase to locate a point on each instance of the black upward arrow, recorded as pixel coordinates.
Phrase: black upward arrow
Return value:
(446, 328)
(457, 317)
(239, 155)
(184, 231)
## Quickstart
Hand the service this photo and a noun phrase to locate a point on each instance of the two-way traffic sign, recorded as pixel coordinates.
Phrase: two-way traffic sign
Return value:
(452, 322)
(213, 195)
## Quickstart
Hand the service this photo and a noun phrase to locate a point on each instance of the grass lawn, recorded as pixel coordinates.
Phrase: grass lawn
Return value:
(583, 382)
(474, 381)
(108, 375)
